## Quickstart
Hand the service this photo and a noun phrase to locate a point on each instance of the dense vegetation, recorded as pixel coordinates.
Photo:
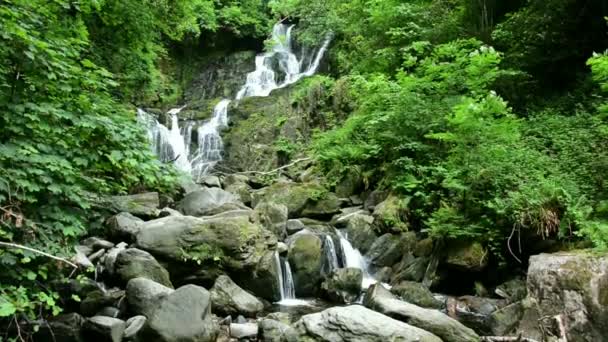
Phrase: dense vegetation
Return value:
(487, 117)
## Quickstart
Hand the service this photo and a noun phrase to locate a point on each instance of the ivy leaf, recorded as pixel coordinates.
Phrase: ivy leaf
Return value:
(7, 309)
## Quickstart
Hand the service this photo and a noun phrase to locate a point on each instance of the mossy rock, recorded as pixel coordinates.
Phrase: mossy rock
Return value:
(416, 293)
(390, 216)
(466, 255)
(306, 260)
(301, 199)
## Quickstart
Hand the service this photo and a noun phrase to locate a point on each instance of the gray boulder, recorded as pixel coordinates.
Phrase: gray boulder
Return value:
(135, 263)
(306, 260)
(134, 326)
(272, 216)
(229, 299)
(103, 329)
(450, 330)
(343, 285)
(243, 330)
(276, 331)
(211, 181)
(262, 281)
(417, 294)
(467, 256)
(145, 204)
(293, 226)
(389, 248)
(301, 199)
(356, 323)
(182, 316)
(109, 262)
(143, 295)
(61, 328)
(360, 232)
(209, 201)
(97, 300)
(123, 226)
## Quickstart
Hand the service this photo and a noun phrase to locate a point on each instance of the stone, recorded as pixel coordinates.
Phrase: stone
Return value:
(293, 226)
(346, 214)
(389, 248)
(145, 204)
(301, 199)
(423, 248)
(504, 321)
(144, 294)
(306, 260)
(229, 299)
(374, 198)
(448, 329)
(243, 330)
(61, 328)
(96, 243)
(272, 216)
(102, 329)
(282, 248)
(384, 274)
(410, 268)
(164, 212)
(135, 263)
(351, 184)
(109, 311)
(391, 215)
(182, 316)
(513, 290)
(417, 294)
(97, 300)
(109, 261)
(263, 280)
(235, 242)
(356, 323)
(211, 181)
(208, 201)
(572, 286)
(81, 259)
(276, 331)
(360, 232)
(466, 255)
(240, 319)
(123, 226)
(475, 312)
(343, 285)
(134, 326)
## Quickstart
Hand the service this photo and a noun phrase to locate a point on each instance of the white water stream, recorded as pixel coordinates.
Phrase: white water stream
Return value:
(275, 69)
(353, 258)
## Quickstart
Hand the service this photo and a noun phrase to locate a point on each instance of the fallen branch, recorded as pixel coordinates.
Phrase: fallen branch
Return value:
(506, 339)
(14, 245)
(277, 169)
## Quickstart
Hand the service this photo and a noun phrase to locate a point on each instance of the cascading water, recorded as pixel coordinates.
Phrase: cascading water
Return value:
(286, 284)
(353, 258)
(174, 145)
(331, 256)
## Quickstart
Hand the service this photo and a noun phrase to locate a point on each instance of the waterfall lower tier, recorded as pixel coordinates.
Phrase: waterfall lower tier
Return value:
(286, 284)
(353, 258)
(331, 256)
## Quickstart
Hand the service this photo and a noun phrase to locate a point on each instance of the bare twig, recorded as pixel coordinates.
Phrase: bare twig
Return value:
(277, 169)
(509, 243)
(14, 245)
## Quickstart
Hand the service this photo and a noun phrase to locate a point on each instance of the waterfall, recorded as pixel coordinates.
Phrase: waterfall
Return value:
(353, 258)
(289, 288)
(277, 261)
(175, 144)
(331, 256)
(286, 284)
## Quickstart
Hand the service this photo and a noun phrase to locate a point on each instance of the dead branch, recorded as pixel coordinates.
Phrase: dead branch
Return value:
(14, 245)
(277, 169)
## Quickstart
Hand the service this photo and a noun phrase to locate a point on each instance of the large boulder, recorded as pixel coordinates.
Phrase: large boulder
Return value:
(272, 216)
(449, 329)
(182, 316)
(276, 331)
(123, 226)
(229, 299)
(61, 328)
(360, 232)
(306, 260)
(466, 256)
(143, 295)
(103, 329)
(96, 300)
(263, 280)
(391, 215)
(389, 248)
(209, 201)
(145, 205)
(356, 323)
(235, 242)
(571, 287)
(343, 285)
(134, 263)
(301, 199)
(417, 294)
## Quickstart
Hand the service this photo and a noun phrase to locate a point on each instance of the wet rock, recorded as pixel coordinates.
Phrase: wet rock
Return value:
(343, 285)
(134, 326)
(97, 300)
(301, 199)
(293, 226)
(123, 226)
(504, 321)
(243, 330)
(374, 198)
(390, 216)
(273, 217)
(62, 328)
(572, 286)
(276, 331)
(466, 255)
(164, 212)
(448, 329)
(306, 260)
(184, 316)
(356, 323)
(389, 248)
(282, 248)
(110, 260)
(229, 299)
(410, 269)
(417, 294)
(475, 312)
(360, 232)
(208, 201)
(102, 329)
(236, 242)
(263, 280)
(211, 181)
(242, 190)
(135, 263)
(144, 205)
(143, 295)
(384, 274)
(513, 290)
(341, 220)
(96, 243)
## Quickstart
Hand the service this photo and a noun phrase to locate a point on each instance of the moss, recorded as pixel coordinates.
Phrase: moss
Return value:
(469, 255)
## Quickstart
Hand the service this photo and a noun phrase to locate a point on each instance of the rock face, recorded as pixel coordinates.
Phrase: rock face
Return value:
(358, 324)
(301, 199)
(103, 329)
(229, 299)
(449, 329)
(360, 231)
(236, 242)
(306, 260)
(145, 204)
(572, 286)
(134, 263)
(123, 226)
(344, 285)
(209, 201)
(389, 248)
(143, 295)
(182, 316)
